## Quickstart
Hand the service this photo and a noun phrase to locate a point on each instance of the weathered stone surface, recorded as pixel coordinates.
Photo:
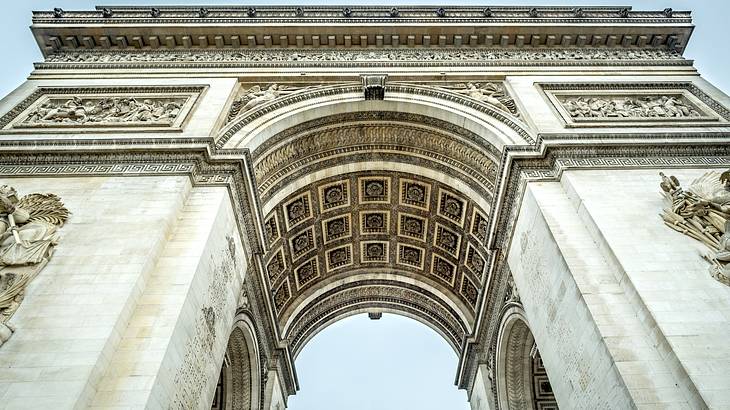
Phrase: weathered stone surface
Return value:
(232, 195)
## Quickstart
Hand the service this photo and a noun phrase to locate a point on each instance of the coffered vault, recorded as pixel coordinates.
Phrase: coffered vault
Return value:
(311, 163)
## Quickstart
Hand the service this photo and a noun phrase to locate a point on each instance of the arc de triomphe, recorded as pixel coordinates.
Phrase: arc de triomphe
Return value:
(193, 193)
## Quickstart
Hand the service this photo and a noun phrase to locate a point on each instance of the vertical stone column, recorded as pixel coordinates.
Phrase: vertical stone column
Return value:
(613, 296)
(481, 396)
(171, 352)
(76, 311)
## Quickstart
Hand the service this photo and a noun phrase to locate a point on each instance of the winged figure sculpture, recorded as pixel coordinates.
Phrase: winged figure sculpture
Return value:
(28, 235)
(702, 212)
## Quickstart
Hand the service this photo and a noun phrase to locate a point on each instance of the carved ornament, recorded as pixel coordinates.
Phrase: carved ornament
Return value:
(395, 57)
(28, 236)
(120, 108)
(635, 104)
(702, 212)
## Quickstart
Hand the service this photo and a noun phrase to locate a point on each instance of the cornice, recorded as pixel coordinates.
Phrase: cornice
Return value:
(353, 27)
(353, 13)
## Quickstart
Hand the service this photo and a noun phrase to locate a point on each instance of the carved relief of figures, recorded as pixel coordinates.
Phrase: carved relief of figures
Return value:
(702, 212)
(650, 106)
(456, 54)
(28, 234)
(98, 110)
(256, 95)
(489, 93)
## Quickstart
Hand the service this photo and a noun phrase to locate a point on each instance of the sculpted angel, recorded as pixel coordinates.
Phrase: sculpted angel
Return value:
(28, 234)
(703, 213)
(255, 96)
(489, 93)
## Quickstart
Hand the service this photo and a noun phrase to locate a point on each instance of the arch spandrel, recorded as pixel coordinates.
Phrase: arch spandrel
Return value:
(497, 126)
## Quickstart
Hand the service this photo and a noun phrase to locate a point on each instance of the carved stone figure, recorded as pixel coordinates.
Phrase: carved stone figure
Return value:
(652, 106)
(489, 93)
(511, 296)
(28, 234)
(98, 110)
(255, 96)
(702, 212)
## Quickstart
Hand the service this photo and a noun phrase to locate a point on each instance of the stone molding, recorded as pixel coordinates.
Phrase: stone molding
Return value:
(16, 120)
(360, 27)
(346, 91)
(384, 14)
(466, 156)
(381, 58)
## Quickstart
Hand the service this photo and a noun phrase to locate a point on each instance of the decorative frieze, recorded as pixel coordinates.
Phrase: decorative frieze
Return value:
(123, 108)
(647, 104)
(359, 58)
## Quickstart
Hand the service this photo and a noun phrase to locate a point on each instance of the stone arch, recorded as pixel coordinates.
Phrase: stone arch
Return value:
(521, 379)
(240, 373)
(375, 292)
(433, 256)
(249, 130)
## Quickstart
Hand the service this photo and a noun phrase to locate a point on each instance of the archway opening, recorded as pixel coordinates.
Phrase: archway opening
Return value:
(375, 210)
(522, 381)
(238, 386)
(391, 363)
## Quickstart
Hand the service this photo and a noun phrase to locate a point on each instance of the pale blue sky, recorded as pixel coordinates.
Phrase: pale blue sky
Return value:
(393, 363)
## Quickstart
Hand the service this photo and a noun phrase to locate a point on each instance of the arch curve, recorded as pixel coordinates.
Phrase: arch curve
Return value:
(251, 128)
(522, 381)
(383, 295)
(240, 377)
(376, 205)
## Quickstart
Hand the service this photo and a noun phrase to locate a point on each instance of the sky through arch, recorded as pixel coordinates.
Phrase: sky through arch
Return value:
(395, 363)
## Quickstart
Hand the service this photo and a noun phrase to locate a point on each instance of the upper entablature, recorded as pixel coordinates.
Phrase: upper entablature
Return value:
(302, 27)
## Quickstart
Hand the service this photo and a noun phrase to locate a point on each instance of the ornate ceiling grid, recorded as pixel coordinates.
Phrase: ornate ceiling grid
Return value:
(394, 223)
(363, 136)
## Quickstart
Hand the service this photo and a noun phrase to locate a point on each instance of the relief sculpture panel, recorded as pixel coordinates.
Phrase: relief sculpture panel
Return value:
(58, 109)
(620, 105)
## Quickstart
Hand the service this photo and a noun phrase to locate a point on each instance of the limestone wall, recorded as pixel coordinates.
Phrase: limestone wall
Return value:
(480, 397)
(623, 308)
(75, 312)
(172, 350)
